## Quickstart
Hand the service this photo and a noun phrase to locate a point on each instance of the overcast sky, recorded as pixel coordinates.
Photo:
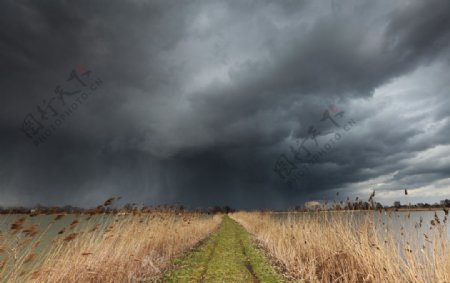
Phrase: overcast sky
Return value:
(247, 103)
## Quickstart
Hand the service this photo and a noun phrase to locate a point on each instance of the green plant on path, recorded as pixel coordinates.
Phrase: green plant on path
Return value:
(227, 256)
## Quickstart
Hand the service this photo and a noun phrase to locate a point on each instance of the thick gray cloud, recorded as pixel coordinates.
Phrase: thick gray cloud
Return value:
(200, 98)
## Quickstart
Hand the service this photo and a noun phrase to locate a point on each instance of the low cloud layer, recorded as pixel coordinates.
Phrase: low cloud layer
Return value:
(199, 99)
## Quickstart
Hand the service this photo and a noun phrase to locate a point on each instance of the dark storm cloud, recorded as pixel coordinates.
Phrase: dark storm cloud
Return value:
(200, 98)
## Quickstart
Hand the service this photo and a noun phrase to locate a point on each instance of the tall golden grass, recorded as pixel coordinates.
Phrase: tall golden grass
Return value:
(352, 246)
(120, 247)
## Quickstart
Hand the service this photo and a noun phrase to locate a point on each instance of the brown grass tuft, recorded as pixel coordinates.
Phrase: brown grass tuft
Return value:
(71, 237)
(31, 230)
(59, 216)
(29, 258)
(109, 201)
(17, 225)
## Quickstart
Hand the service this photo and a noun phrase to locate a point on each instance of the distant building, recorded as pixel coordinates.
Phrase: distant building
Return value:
(445, 202)
(312, 205)
(397, 204)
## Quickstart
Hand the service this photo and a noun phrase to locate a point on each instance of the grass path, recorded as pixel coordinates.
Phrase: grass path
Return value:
(227, 256)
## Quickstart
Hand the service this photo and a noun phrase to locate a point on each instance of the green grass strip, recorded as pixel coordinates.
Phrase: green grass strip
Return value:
(228, 255)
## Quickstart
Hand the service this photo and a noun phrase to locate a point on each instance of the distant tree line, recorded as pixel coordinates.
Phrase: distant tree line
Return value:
(107, 207)
(364, 205)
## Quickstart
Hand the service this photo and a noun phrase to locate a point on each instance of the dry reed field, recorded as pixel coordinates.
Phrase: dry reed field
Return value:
(114, 247)
(353, 246)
